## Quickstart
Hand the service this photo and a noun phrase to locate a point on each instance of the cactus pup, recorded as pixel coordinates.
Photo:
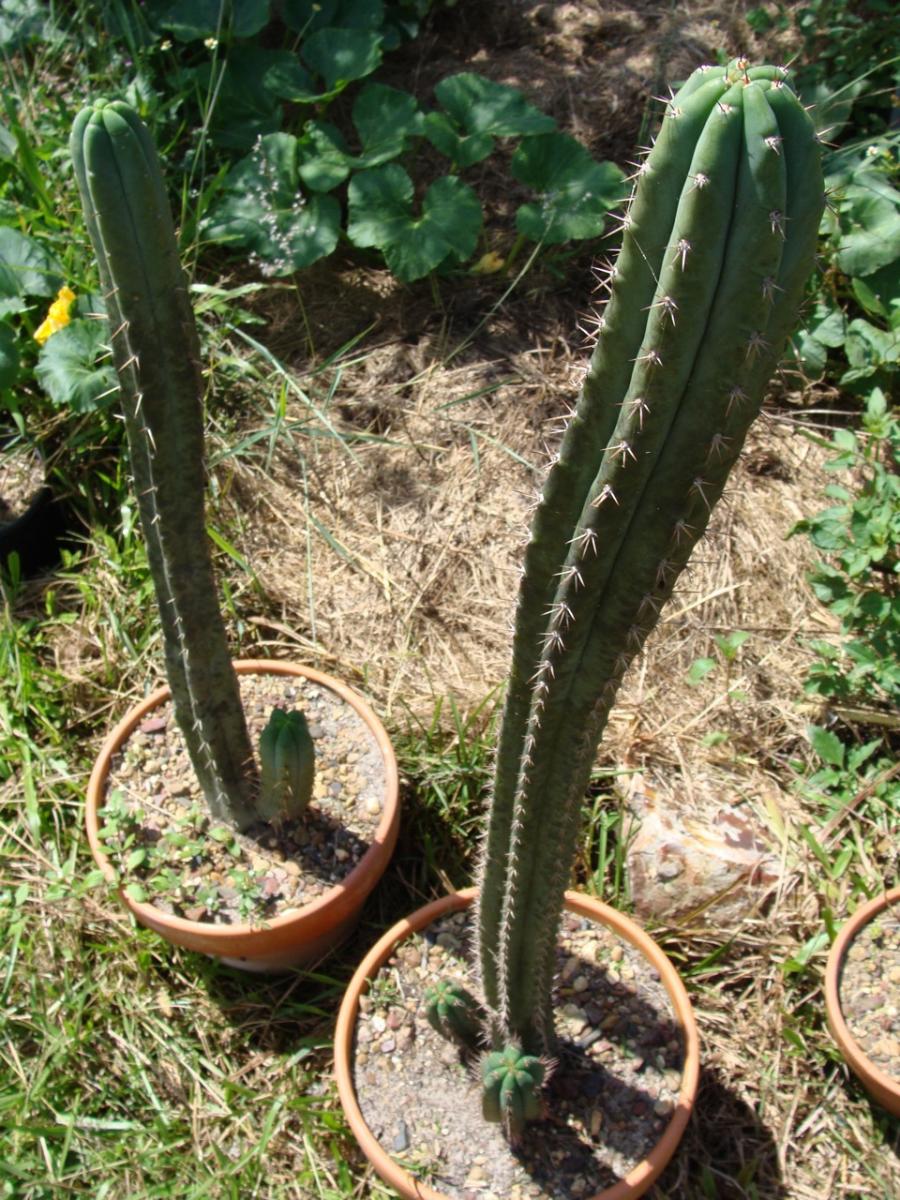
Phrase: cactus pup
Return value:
(156, 353)
(718, 241)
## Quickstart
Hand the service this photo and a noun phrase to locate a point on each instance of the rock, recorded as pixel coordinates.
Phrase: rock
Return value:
(401, 1138)
(373, 806)
(154, 725)
(716, 867)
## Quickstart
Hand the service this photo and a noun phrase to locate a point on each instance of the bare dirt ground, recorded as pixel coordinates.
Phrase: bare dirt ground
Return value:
(394, 559)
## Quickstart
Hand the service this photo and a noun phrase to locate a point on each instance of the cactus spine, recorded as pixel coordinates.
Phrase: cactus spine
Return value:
(718, 241)
(156, 353)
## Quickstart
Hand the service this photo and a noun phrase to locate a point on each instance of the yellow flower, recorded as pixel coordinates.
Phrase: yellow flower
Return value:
(489, 263)
(57, 316)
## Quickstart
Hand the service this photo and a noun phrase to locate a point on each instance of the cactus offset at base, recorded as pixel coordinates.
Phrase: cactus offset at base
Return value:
(718, 241)
(511, 1086)
(454, 1012)
(287, 761)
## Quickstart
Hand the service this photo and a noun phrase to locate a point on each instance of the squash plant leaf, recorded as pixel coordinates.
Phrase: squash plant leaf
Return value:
(381, 214)
(209, 18)
(385, 119)
(341, 55)
(324, 160)
(250, 93)
(576, 192)
(477, 110)
(308, 16)
(9, 355)
(75, 369)
(26, 269)
(263, 209)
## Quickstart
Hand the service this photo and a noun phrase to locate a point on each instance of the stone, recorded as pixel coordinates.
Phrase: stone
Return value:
(696, 860)
(401, 1138)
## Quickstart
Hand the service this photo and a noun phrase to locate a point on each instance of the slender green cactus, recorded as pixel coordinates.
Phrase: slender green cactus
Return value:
(718, 241)
(454, 1012)
(287, 760)
(156, 353)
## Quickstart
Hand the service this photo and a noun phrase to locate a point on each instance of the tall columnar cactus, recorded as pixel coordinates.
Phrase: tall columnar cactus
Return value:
(156, 353)
(718, 241)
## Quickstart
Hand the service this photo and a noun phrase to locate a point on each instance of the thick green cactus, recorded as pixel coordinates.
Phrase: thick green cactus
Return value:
(454, 1012)
(287, 760)
(510, 1088)
(156, 353)
(718, 241)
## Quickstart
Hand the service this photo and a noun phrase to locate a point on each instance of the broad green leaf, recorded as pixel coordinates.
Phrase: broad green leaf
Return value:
(827, 745)
(263, 209)
(136, 892)
(210, 18)
(9, 355)
(381, 214)
(699, 669)
(874, 240)
(306, 16)
(250, 94)
(809, 352)
(576, 192)
(478, 105)
(868, 349)
(26, 268)
(323, 158)
(384, 118)
(74, 367)
(342, 55)
(22, 21)
(462, 150)
(878, 291)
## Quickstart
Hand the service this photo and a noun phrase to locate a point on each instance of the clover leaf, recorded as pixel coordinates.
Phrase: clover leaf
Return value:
(74, 366)
(576, 191)
(381, 214)
(263, 209)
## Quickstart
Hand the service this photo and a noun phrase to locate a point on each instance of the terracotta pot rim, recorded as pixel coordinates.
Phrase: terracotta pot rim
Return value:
(636, 1182)
(374, 859)
(884, 1087)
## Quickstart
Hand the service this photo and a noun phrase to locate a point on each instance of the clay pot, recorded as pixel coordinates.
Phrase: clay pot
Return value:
(643, 1175)
(287, 941)
(880, 1086)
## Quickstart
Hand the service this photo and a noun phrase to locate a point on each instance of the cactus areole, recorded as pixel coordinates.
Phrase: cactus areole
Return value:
(156, 353)
(718, 241)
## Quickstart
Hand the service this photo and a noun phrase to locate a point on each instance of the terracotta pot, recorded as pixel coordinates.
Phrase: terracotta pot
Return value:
(638, 1180)
(880, 1086)
(287, 941)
